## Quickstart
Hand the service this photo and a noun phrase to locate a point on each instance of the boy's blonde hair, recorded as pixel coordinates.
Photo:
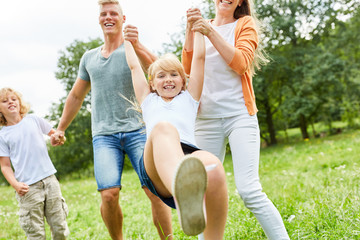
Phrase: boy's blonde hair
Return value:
(24, 107)
(168, 62)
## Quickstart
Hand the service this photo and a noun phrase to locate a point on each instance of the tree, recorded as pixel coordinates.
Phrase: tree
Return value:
(305, 82)
(344, 42)
(76, 155)
(268, 87)
(298, 27)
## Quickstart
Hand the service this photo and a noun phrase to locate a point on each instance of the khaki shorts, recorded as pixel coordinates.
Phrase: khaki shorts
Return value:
(44, 199)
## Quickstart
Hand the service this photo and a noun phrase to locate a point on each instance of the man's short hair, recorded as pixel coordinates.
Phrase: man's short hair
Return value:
(101, 2)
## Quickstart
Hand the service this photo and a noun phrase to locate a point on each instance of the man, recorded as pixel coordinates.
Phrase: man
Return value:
(116, 130)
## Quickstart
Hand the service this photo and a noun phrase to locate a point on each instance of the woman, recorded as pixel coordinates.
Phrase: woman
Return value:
(227, 107)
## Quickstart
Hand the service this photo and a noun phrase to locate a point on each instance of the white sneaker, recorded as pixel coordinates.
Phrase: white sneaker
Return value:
(189, 186)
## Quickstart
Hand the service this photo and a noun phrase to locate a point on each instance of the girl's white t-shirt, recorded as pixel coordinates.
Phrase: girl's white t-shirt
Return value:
(24, 143)
(180, 112)
(222, 94)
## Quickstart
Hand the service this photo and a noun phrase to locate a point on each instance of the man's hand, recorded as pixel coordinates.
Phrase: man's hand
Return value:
(58, 138)
(131, 34)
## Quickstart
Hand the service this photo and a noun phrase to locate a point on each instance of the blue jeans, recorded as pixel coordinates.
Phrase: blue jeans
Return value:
(109, 156)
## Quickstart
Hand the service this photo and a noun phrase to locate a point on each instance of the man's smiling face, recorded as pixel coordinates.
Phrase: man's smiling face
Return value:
(111, 18)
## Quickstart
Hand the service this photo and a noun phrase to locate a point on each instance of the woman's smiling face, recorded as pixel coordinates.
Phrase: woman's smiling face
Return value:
(227, 5)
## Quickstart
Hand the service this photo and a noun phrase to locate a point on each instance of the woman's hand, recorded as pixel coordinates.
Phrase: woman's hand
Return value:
(202, 26)
(192, 15)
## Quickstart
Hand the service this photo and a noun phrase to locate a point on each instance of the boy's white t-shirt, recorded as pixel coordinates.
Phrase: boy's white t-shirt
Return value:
(180, 112)
(24, 143)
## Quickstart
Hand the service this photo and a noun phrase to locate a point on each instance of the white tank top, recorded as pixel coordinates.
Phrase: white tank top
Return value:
(222, 94)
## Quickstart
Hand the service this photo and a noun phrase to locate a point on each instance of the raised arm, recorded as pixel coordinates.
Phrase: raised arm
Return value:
(238, 57)
(192, 15)
(145, 56)
(141, 87)
(196, 80)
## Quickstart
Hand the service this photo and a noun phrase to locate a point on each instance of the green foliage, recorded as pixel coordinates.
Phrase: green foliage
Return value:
(314, 72)
(69, 60)
(177, 39)
(312, 76)
(269, 91)
(176, 44)
(208, 9)
(76, 155)
(343, 41)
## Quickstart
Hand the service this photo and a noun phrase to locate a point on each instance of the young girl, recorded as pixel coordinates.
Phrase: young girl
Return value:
(172, 166)
(22, 145)
(228, 109)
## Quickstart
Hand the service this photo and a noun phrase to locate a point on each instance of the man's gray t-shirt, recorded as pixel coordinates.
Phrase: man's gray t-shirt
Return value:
(111, 90)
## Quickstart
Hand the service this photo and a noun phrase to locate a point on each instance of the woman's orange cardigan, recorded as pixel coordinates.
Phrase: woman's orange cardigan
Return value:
(246, 41)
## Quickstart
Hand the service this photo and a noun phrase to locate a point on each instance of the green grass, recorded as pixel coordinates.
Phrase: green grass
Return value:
(314, 184)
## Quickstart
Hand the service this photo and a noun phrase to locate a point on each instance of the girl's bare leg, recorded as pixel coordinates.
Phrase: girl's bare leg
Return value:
(216, 196)
(163, 154)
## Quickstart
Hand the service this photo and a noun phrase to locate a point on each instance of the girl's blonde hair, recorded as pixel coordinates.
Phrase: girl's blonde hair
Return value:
(246, 9)
(24, 107)
(168, 62)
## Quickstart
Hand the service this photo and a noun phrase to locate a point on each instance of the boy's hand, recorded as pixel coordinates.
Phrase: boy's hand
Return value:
(21, 188)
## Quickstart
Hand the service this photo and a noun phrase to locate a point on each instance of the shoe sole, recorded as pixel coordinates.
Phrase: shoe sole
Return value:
(189, 187)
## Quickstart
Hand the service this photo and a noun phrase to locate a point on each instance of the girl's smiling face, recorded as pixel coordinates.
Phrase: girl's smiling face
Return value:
(167, 84)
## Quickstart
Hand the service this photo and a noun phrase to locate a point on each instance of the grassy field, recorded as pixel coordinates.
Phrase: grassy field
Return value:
(314, 184)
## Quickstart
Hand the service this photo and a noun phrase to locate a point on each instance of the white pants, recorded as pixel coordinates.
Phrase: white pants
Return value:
(242, 133)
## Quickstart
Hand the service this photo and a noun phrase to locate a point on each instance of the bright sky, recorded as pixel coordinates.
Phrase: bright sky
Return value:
(33, 32)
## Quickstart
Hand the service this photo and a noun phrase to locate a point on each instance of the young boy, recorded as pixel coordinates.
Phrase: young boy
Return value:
(22, 145)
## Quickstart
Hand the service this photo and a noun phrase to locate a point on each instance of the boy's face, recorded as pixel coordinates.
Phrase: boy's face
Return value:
(9, 104)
